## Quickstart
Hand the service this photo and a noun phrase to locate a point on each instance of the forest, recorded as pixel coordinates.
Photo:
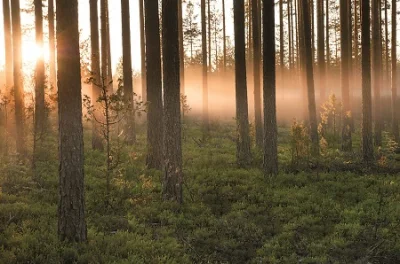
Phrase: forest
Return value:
(199, 131)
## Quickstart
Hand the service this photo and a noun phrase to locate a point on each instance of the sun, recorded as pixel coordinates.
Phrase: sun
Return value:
(32, 52)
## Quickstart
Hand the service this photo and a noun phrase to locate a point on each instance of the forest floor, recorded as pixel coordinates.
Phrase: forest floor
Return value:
(331, 210)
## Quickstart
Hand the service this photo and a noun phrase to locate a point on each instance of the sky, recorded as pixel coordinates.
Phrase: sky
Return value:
(27, 21)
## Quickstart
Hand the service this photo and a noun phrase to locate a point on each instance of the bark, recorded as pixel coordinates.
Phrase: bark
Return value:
(270, 164)
(52, 46)
(154, 86)
(97, 82)
(367, 142)
(8, 46)
(40, 108)
(209, 35)
(345, 68)
(256, 73)
(243, 140)
(281, 42)
(130, 133)
(18, 78)
(143, 51)
(321, 49)
(105, 48)
(71, 206)
(204, 67)
(377, 68)
(173, 176)
(224, 32)
(289, 11)
(310, 77)
(328, 49)
(181, 48)
(395, 125)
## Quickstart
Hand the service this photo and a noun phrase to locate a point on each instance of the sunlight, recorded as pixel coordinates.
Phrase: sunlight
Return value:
(32, 52)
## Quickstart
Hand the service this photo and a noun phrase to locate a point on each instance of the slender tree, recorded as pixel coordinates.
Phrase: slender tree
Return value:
(204, 67)
(345, 68)
(224, 32)
(269, 88)
(154, 86)
(367, 142)
(173, 176)
(307, 42)
(8, 45)
(243, 140)
(181, 48)
(52, 46)
(281, 42)
(130, 137)
(377, 68)
(18, 77)
(71, 206)
(209, 35)
(327, 26)
(105, 47)
(395, 125)
(40, 108)
(321, 49)
(142, 51)
(96, 81)
(256, 72)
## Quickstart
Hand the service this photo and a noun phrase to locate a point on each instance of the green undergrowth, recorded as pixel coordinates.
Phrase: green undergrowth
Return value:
(330, 210)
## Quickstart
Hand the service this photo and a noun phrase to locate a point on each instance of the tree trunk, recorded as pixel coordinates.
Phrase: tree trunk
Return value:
(40, 109)
(242, 119)
(256, 72)
(71, 206)
(312, 111)
(395, 125)
(281, 44)
(224, 32)
(52, 47)
(173, 176)
(377, 68)
(328, 49)
(387, 64)
(345, 68)
(143, 51)
(209, 35)
(289, 11)
(154, 86)
(105, 49)
(8, 46)
(181, 48)
(18, 78)
(321, 49)
(367, 144)
(270, 164)
(204, 67)
(130, 133)
(97, 142)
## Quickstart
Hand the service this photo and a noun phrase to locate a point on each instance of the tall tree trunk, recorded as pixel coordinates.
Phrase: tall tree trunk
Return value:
(181, 48)
(224, 32)
(8, 46)
(281, 44)
(173, 175)
(109, 61)
(270, 164)
(71, 205)
(395, 125)
(130, 132)
(97, 82)
(367, 142)
(209, 35)
(312, 111)
(256, 72)
(105, 49)
(18, 78)
(154, 86)
(52, 46)
(328, 49)
(377, 68)
(243, 140)
(345, 68)
(321, 49)
(356, 42)
(289, 11)
(204, 67)
(143, 51)
(40, 109)
(387, 64)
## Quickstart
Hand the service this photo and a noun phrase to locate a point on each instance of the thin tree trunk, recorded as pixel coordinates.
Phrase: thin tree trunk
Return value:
(312, 111)
(281, 44)
(289, 34)
(243, 139)
(395, 125)
(209, 35)
(181, 48)
(97, 81)
(321, 49)
(105, 63)
(130, 133)
(71, 206)
(142, 51)
(173, 175)
(377, 68)
(52, 46)
(387, 64)
(367, 142)
(204, 67)
(224, 32)
(328, 49)
(345, 67)
(8, 46)
(18, 78)
(270, 164)
(154, 86)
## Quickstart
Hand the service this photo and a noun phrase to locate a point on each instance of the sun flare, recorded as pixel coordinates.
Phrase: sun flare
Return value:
(32, 52)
